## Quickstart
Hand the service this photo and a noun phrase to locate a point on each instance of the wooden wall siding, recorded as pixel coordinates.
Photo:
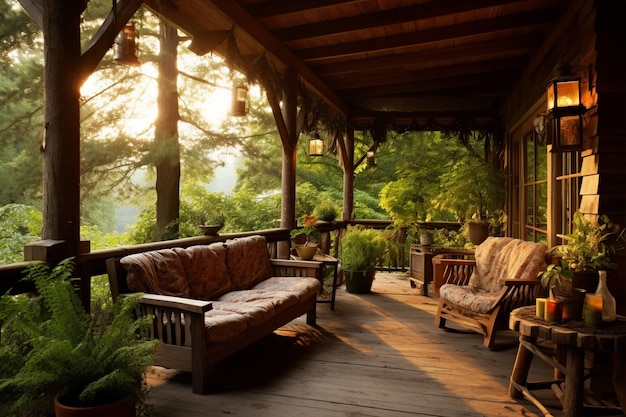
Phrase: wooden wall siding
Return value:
(611, 130)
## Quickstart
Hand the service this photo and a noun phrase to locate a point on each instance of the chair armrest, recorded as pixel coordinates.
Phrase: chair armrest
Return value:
(510, 282)
(294, 268)
(177, 303)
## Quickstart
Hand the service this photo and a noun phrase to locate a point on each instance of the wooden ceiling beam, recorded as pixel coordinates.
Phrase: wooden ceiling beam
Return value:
(382, 18)
(34, 8)
(519, 44)
(249, 24)
(359, 115)
(372, 78)
(432, 86)
(280, 7)
(427, 36)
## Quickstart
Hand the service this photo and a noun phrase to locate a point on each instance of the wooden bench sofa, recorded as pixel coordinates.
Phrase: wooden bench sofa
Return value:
(209, 301)
(479, 294)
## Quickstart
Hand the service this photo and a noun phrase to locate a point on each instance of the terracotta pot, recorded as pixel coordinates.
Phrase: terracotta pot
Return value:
(116, 409)
(209, 230)
(478, 232)
(359, 282)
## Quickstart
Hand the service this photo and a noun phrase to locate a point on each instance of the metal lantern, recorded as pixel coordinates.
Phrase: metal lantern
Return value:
(126, 47)
(316, 145)
(371, 159)
(240, 93)
(565, 111)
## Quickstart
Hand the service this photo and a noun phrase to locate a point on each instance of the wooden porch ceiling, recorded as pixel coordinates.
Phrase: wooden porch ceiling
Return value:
(413, 61)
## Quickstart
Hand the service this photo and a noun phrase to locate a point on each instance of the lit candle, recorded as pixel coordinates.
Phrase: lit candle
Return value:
(554, 309)
(592, 311)
(540, 308)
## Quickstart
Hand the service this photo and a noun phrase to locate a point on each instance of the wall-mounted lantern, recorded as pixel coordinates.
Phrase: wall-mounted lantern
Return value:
(564, 115)
(126, 47)
(239, 94)
(316, 145)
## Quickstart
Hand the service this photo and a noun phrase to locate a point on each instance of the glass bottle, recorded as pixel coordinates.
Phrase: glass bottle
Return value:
(609, 312)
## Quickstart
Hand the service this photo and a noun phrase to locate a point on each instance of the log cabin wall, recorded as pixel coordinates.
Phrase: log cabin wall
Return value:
(592, 39)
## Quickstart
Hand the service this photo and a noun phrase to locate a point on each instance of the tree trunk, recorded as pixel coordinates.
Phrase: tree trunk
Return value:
(167, 153)
(61, 145)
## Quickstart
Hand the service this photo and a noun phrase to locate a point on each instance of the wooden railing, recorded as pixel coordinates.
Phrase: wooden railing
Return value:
(92, 263)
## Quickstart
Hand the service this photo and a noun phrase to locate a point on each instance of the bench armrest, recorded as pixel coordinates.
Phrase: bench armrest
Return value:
(294, 268)
(189, 305)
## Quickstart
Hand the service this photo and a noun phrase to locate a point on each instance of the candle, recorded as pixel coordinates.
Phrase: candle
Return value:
(540, 308)
(592, 311)
(554, 309)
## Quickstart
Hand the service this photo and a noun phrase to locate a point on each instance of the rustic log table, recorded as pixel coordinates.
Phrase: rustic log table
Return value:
(571, 340)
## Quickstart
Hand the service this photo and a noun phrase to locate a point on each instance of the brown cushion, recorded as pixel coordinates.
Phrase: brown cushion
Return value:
(205, 269)
(248, 261)
(156, 272)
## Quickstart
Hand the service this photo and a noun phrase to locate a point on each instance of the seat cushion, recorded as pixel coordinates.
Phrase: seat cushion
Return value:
(470, 298)
(206, 271)
(223, 325)
(156, 272)
(257, 305)
(302, 287)
(248, 261)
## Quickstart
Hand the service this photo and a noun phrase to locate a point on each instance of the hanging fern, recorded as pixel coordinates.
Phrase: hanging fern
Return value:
(84, 359)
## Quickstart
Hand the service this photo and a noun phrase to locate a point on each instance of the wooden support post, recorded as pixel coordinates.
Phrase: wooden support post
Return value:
(348, 174)
(61, 146)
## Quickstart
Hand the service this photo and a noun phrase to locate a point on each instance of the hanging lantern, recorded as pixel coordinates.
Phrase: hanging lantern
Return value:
(565, 111)
(126, 47)
(371, 159)
(316, 145)
(240, 93)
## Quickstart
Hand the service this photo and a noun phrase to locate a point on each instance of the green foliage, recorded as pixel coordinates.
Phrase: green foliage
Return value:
(471, 188)
(84, 359)
(408, 197)
(362, 248)
(553, 275)
(326, 210)
(590, 246)
(19, 224)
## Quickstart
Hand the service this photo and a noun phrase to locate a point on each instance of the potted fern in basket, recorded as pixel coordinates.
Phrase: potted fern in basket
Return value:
(71, 359)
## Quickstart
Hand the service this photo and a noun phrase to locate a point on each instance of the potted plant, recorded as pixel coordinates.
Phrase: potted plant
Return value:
(311, 235)
(557, 278)
(589, 248)
(73, 360)
(212, 222)
(361, 249)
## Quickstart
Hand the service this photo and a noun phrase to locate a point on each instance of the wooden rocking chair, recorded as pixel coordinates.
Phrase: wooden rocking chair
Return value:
(480, 294)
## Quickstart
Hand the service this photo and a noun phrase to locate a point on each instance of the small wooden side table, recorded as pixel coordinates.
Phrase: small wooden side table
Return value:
(571, 339)
(327, 261)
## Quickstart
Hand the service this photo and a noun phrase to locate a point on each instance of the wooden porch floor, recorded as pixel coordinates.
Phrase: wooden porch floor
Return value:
(375, 355)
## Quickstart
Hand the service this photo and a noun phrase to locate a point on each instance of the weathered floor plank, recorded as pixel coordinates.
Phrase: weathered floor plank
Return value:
(375, 355)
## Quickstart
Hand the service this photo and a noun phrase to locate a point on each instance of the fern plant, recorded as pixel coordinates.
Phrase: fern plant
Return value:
(83, 359)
